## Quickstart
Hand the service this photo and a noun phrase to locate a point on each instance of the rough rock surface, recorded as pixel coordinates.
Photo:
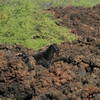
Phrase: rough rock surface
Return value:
(83, 21)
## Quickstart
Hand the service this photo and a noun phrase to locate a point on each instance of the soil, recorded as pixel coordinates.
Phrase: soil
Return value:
(73, 75)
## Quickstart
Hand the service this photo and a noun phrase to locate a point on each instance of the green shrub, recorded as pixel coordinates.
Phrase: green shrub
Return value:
(20, 20)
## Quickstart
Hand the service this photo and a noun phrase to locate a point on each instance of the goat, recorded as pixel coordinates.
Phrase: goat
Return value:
(45, 58)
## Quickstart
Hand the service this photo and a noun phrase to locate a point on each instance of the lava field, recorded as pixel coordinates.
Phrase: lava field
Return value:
(68, 71)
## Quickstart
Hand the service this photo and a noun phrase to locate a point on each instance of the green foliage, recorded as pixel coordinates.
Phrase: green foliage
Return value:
(85, 3)
(52, 3)
(20, 20)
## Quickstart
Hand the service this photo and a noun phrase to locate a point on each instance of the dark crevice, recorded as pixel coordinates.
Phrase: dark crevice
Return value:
(69, 60)
(28, 97)
(92, 95)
